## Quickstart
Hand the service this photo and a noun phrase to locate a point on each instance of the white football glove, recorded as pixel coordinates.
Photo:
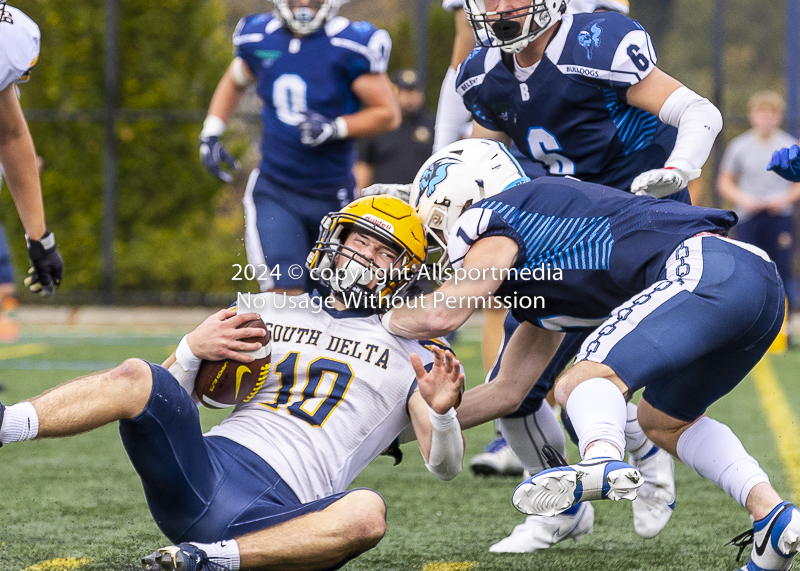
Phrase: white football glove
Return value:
(662, 182)
(401, 191)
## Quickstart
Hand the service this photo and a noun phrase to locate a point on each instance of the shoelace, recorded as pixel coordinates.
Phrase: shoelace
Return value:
(742, 541)
(205, 564)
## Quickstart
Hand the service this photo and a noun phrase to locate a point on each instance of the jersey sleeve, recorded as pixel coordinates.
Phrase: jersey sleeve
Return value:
(477, 223)
(607, 49)
(469, 79)
(453, 4)
(19, 47)
(367, 49)
(248, 33)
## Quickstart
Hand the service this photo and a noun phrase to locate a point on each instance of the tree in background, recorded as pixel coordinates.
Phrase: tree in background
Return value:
(169, 234)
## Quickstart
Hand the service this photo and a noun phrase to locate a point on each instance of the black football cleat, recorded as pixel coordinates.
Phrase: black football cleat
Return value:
(181, 557)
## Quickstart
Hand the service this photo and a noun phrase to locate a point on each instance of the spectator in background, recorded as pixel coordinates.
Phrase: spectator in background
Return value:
(395, 157)
(763, 200)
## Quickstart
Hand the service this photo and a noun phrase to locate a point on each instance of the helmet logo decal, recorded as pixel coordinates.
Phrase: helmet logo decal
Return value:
(433, 175)
(379, 222)
(590, 39)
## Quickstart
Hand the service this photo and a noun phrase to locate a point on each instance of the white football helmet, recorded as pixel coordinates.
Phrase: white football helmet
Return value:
(306, 17)
(513, 30)
(457, 177)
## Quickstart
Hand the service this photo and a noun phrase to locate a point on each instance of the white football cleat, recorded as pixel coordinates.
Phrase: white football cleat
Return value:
(775, 540)
(656, 499)
(540, 532)
(555, 490)
(498, 460)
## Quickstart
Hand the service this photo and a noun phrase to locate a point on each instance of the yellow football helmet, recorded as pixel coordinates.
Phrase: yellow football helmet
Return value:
(347, 272)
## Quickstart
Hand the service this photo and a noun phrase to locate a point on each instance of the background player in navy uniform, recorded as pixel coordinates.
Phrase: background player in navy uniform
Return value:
(267, 488)
(323, 82)
(582, 94)
(19, 51)
(673, 307)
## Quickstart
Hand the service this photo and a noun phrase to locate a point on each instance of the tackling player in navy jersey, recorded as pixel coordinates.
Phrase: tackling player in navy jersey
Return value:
(582, 95)
(671, 305)
(323, 82)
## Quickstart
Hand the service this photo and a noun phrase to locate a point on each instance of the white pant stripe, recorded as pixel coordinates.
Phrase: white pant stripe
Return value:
(684, 270)
(252, 240)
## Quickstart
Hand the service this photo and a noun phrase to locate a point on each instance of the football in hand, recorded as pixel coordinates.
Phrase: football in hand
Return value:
(222, 384)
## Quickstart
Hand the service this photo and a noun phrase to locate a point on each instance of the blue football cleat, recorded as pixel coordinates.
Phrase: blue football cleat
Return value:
(775, 540)
(552, 491)
(181, 557)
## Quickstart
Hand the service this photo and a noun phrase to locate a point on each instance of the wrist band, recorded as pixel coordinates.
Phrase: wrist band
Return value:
(341, 128)
(442, 421)
(184, 356)
(213, 126)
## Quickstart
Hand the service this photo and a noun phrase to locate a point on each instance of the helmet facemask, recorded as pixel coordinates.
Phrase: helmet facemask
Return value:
(305, 20)
(349, 274)
(513, 30)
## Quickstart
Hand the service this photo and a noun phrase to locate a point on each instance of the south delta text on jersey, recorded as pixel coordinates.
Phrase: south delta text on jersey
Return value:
(571, 113)
(335, 396)
(314, 73)
(609, 243)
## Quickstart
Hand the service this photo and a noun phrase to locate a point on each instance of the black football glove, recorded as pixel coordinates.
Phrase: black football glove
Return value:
(213, 155)
(47, 266)
(317, 129)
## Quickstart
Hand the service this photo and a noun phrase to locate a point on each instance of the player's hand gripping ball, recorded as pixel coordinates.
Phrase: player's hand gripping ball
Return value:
(222, 384)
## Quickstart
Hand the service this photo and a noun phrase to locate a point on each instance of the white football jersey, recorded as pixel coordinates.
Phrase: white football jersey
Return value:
(584, 6)
(335, 397)
(19, 46)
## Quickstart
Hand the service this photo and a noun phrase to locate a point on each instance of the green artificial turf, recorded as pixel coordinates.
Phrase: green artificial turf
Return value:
(80, 498)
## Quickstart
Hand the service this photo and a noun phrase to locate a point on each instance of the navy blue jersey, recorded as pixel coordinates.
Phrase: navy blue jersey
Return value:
(312, 73)
(608, 244)
(571, 113)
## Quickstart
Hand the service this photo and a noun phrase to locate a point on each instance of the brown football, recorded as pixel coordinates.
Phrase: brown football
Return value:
(221, 384)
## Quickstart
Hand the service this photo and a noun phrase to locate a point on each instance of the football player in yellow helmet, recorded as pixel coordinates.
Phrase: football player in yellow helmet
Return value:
(369, 251)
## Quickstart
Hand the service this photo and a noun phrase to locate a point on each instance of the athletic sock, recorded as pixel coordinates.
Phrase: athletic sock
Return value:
(636, 443)
(20, 422)
(597, 410)
(528, 435)
(712, 450)
(224, 552)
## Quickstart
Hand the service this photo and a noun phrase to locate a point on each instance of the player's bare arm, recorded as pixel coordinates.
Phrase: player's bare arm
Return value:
(433, 416)
(230, 90)
(430, 318)
(381, 111)
(18, 156)
(481, 132)
(519, 370)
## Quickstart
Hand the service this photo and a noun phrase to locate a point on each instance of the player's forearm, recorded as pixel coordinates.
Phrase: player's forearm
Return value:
(428, 317)
(446, 456)
(373, 121)
(21, 172)
(698, 122)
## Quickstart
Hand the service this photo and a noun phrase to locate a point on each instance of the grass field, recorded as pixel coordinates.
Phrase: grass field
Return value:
(77, 503)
